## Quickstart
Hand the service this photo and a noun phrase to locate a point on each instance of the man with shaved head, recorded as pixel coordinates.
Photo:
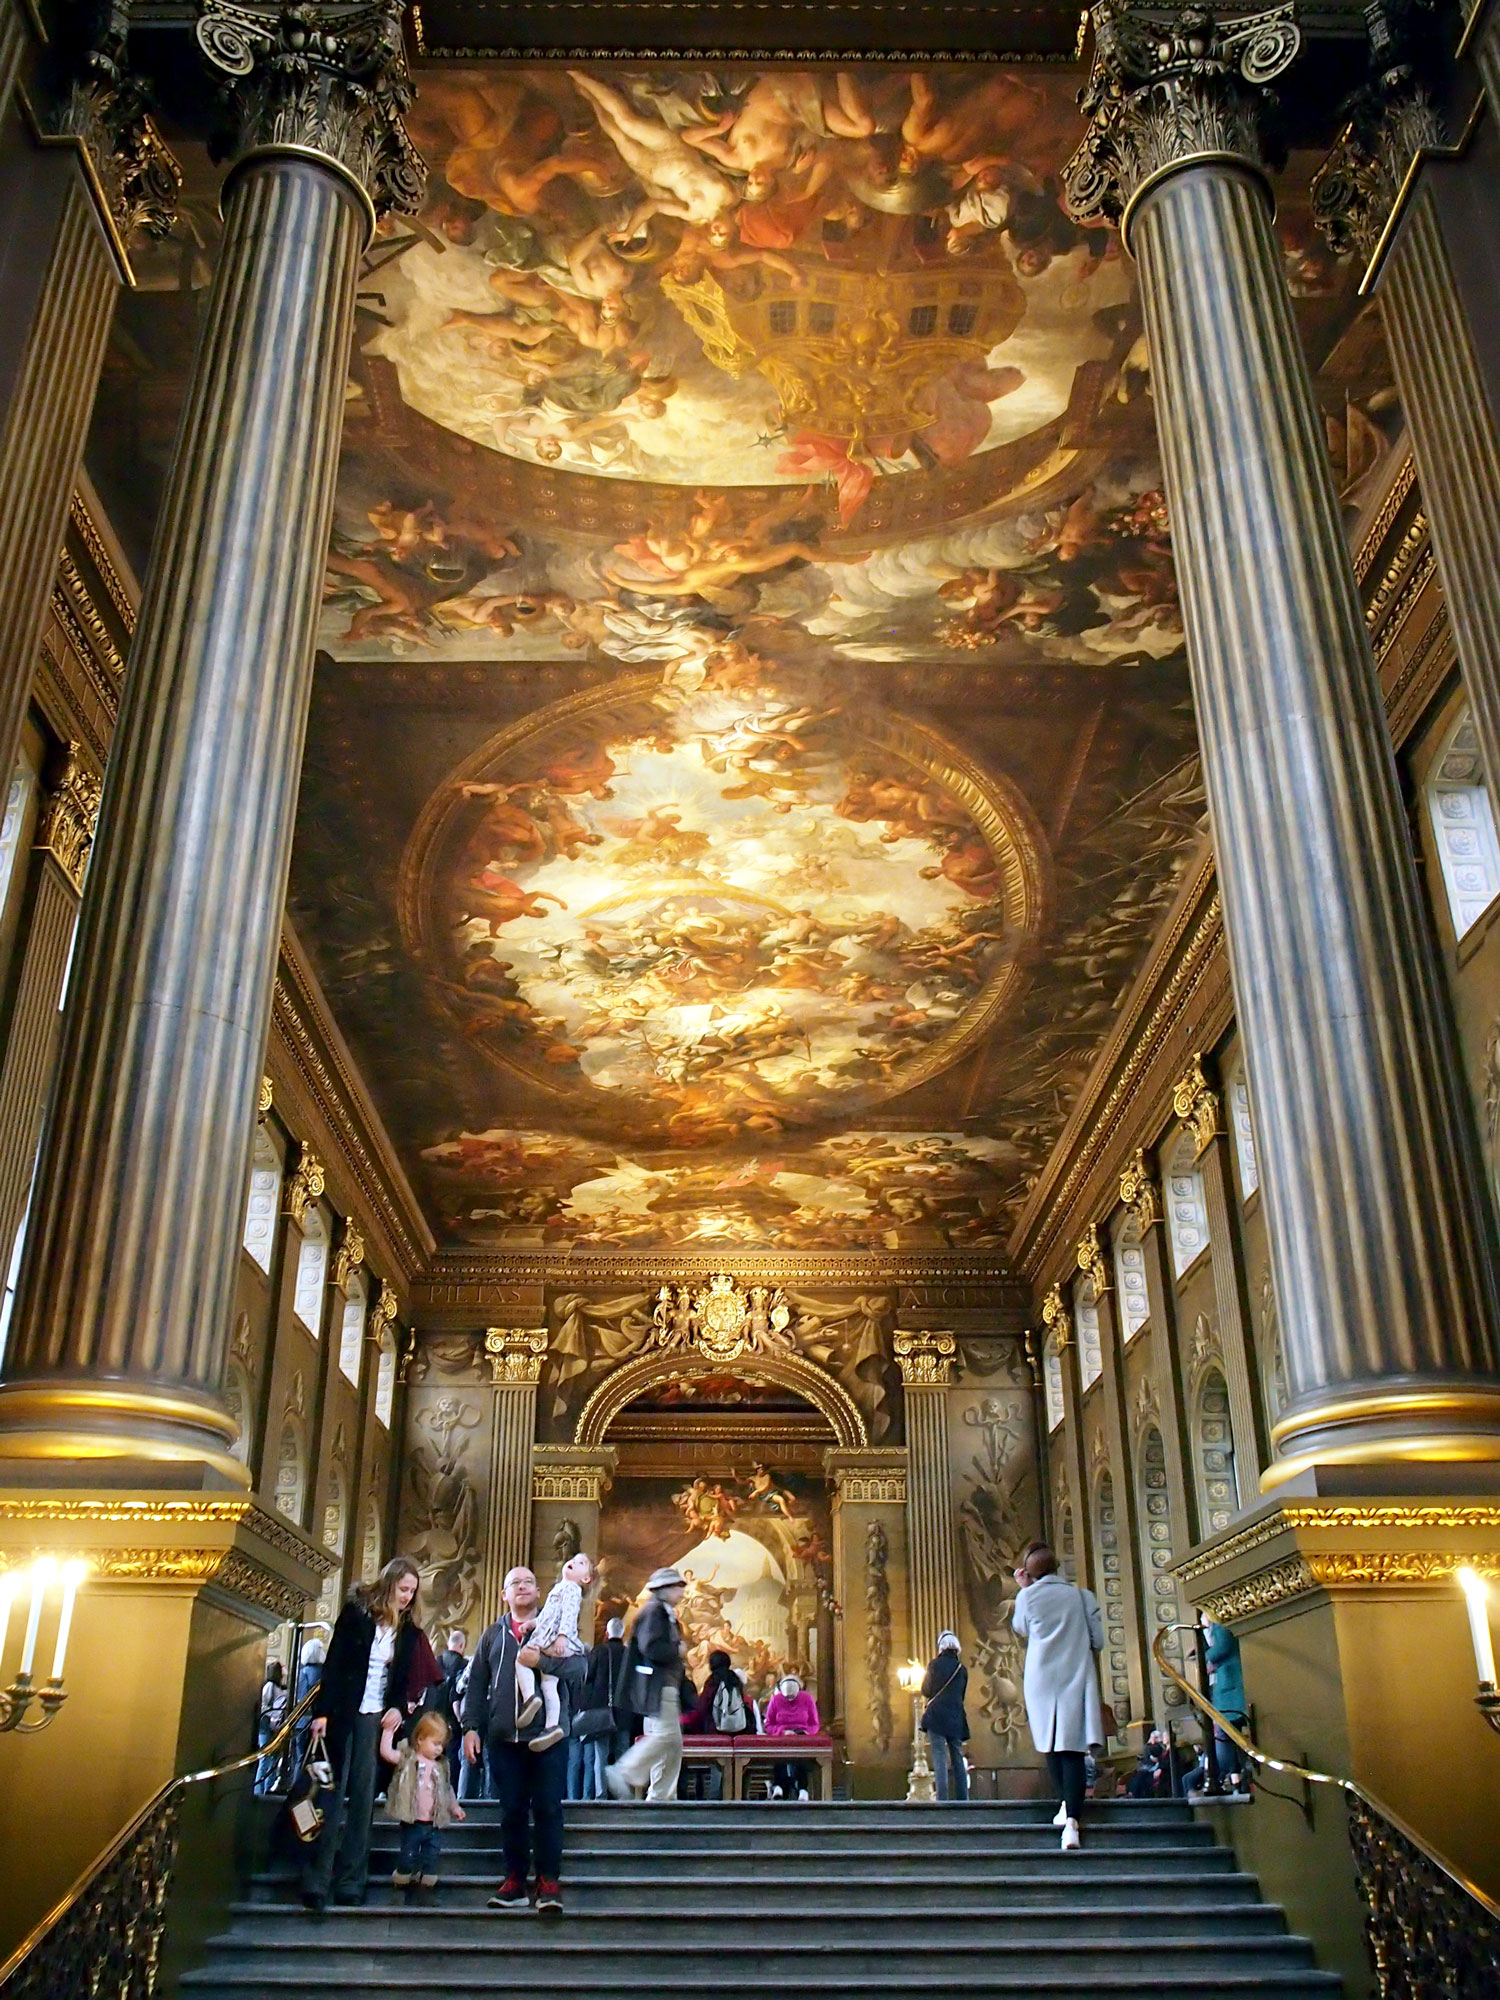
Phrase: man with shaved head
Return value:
(528, 1782)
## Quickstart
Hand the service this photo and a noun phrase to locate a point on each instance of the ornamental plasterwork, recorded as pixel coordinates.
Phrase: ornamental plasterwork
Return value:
(1207, 1346)
(562, 1473)
(1197, 1105)
(107, 109)
(1335, 1570)
(227, 1569)
(69, 816)
(1147, 1407)
(383, 1313)
(925, 1359)
(305, 1184)
(515, 1353)
(722, 1321)
(1092, 1260)
(1388, 121)
(1140, 1191)
(1162, 91)
(1345, 1517)
(265, 1097)
(325, 80)
(348, 1257)
(1057, 1319)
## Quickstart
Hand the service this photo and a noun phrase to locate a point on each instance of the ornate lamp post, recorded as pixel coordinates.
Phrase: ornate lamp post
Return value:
(919, 1786)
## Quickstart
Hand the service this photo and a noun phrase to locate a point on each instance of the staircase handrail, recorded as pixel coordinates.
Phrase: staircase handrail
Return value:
(1420, 1951)
(145, 1847)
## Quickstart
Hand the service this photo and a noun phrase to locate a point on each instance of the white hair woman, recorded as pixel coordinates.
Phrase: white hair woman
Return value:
(1064, 1633)
(943, 1688)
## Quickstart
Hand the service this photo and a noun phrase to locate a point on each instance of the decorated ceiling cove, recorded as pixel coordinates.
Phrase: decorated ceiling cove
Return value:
(751, 750)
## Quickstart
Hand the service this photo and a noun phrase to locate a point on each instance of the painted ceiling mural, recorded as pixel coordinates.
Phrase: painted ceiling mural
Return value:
(751, 749)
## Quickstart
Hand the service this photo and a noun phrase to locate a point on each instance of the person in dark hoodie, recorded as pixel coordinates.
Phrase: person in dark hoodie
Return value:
(600, 1694)
(943, 1687)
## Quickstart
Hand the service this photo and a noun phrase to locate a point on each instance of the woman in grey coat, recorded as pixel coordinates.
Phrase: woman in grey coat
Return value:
(1063, 1632)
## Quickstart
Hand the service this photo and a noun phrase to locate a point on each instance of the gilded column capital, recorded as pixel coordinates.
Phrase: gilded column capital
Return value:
(103, 103)
(69, 815)
(328, 82)
(1169, 87)
(925, 1359)
(1092, 1260)
(1140, 1191)
(515, 1353)
(1388, 119)
(1198, 1106)
(383, 1313)
(349, 1256)
(306, 1183)
(1057, 1319)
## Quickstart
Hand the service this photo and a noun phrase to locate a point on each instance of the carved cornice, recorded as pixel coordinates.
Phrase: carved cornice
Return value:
(304, 1184)
(563, 1472)
(1197, 1106)
(1167, 88)
(87, 627)
(1092, 1260)
(348, 1257)
(87, 529)
(867, 1478)
(1390, 509)
(460, 1281)
(515, 1353)
(1338, 1571)
(924, 1358)
(1346, 1517)
(1389, 120)
(69, 815)
(326, 80)
(100, 100)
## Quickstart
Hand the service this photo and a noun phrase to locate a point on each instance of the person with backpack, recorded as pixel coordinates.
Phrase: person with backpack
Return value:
(598, 1722)
(721, 1710)
(943, 1688)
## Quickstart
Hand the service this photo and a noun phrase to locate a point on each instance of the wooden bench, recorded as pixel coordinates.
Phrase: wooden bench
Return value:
(734, 1754)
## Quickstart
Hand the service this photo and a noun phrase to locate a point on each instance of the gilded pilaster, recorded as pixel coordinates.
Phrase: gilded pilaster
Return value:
(1124, 1667)
(1068, 1442)
(65, 831)
(926, 1364)
(515, 1356)
(1369, 1166)
(1195, 1100)
(125, 1299)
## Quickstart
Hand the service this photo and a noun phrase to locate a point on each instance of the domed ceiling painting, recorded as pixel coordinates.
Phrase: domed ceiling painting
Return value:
(752, 748)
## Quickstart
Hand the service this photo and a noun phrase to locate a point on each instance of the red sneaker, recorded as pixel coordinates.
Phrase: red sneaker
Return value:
(548, 1895)
(511, 1895)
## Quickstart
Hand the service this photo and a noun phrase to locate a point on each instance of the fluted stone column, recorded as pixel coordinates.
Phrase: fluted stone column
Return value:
(926, 1364)
(1057, 1318)
(1369, 1166)
(515, 1355)
(125, 1296)
(65, 830)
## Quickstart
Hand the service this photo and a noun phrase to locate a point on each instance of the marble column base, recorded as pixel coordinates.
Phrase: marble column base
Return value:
(1355, 1640)
(163, 1671)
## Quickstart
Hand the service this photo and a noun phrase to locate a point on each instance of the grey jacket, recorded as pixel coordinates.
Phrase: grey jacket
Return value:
(401, 1794)
(490, 1699)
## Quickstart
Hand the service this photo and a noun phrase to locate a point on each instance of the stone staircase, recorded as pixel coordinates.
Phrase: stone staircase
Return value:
(735, 1902)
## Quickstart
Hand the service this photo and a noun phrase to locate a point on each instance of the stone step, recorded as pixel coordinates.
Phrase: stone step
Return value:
(583, 1950)
(639, 1833)
(700, 1890)
(444, 1915)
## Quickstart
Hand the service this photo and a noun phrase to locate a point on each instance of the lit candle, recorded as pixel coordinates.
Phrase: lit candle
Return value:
(73, 1575)
(1477, 1591)
(42, 1573)
(9, 1583)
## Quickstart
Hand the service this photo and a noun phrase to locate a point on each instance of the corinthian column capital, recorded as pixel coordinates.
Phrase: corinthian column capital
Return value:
(1170, 86)
(100, 101)
(330, 82)
(1389, 119)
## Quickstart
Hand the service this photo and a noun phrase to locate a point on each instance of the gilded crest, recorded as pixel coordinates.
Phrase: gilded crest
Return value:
(723, 1316)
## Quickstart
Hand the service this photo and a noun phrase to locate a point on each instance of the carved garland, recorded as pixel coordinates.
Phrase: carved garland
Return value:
(878, 1634)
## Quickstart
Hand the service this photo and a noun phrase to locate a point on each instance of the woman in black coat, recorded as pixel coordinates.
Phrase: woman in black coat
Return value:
(379, 1666)
(944, 1685)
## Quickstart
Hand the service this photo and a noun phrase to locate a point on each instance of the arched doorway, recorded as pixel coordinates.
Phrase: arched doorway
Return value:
(720, 1473)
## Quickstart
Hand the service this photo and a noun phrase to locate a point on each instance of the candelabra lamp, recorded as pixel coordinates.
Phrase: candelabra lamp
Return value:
(1477, 1591)
(920, 1789)
(22, 1695)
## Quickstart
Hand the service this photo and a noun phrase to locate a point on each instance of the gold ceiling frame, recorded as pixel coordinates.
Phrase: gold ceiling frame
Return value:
(785, 1371)
(1010, 829)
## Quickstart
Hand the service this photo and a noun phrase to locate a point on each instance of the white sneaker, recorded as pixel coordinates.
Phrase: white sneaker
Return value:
(777, 1792)
(1071, 1837)
(803, 1795)
(1062, 1817)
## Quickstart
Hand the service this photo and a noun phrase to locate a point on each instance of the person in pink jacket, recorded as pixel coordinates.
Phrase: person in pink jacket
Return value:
(791, 1711)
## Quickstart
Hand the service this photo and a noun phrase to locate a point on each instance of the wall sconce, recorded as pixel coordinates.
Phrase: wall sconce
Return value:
(1477, 1591)
(920, 1789)
(16, 1700)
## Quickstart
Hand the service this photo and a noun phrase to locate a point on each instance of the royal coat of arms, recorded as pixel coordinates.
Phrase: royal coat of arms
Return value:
(721, 1321)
